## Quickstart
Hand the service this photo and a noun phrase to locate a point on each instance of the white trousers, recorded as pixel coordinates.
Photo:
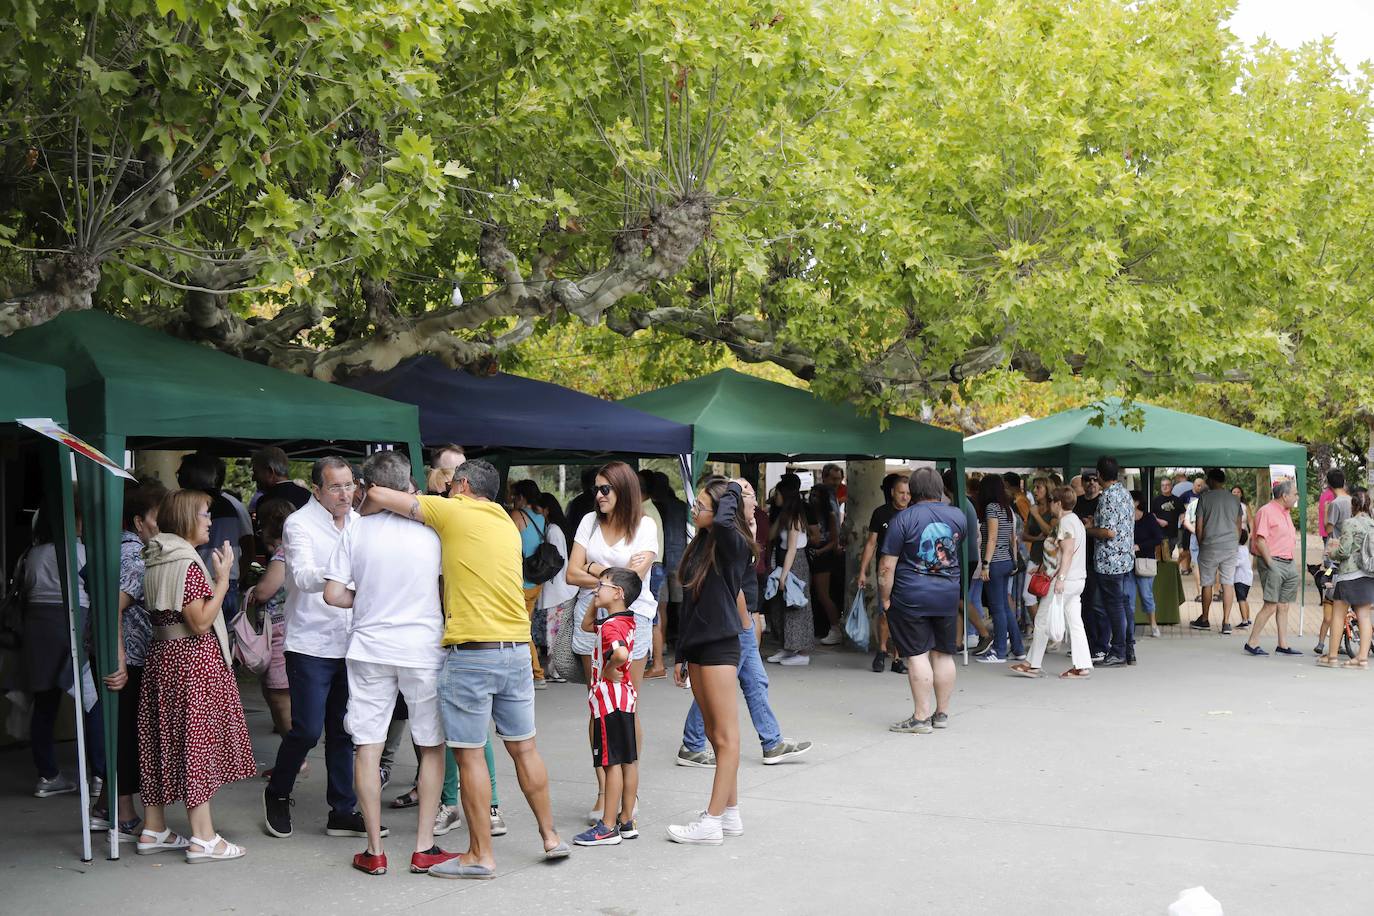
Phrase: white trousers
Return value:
(1072, 597)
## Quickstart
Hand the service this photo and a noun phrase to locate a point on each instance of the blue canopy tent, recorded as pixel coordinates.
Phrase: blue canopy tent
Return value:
(526, 419)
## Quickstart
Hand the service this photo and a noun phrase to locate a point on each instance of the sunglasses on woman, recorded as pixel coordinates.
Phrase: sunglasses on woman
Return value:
(604, 489)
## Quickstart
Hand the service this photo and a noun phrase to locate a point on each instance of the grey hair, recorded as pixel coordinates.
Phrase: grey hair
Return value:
(273, 460)
(1283, 488)
(388, 469)
(481, 476)
(327, 463)
(926, 485)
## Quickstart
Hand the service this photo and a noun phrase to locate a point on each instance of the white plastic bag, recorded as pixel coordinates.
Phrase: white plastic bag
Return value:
(1054, 616)
(856, 627)
(1195, 901)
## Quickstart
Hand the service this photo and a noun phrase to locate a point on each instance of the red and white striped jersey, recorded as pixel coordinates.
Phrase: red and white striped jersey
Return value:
(606, 696)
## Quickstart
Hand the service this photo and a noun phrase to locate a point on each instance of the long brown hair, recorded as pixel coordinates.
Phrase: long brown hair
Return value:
(699, 559)
(629, 506)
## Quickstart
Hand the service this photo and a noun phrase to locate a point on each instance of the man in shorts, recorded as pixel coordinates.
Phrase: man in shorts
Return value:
(1217, 525)
(918, 588)
(386, 568)
(1275, 541)
(486, 676)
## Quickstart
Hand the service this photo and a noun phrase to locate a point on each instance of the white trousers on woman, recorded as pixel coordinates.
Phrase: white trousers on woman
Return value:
(1072, 597)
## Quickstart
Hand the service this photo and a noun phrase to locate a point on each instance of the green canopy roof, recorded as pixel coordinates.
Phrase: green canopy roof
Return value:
(1168, 438)
(127, 380)
(31, 390)
(737, 417)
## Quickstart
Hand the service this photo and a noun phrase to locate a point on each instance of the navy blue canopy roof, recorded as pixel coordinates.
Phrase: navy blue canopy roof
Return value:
(507, 413)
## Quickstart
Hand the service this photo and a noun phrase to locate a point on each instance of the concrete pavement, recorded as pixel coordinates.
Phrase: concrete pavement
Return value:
(1200, 766)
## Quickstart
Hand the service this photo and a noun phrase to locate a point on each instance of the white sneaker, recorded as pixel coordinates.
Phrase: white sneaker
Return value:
(446, 819)
(990, 659)
(730, 822)
(1154, 632)
(704, 831)
(833, 638)
(777, 657)
(795, 659)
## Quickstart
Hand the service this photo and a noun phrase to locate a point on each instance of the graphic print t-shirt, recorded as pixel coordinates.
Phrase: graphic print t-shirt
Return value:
(926, 538)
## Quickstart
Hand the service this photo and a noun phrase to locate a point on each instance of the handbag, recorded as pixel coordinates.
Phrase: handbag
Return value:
(252, 647)
(1146, 567)
(546, 562)
(1039, 585)
(562, 660)
(12, 608)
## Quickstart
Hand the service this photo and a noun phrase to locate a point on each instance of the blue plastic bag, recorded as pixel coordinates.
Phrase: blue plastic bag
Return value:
(856, 627)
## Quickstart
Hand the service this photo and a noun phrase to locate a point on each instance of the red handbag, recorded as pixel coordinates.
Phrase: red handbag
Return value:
(1039, 584)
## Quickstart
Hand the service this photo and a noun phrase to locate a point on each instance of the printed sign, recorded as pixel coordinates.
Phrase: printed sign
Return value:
(1278, 473)
(48, 428)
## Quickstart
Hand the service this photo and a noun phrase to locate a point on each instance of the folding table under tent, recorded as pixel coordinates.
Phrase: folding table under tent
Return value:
(1166, 438)
(33, 390)
(128, 386)
(538, 422)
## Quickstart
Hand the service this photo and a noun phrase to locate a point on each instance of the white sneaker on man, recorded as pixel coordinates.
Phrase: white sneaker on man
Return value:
(833, 638)
(704, 831)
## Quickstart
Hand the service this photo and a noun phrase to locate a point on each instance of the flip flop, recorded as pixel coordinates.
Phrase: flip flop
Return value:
(409, 800)
(561, 851)
(1023, 670)
(1076, 674)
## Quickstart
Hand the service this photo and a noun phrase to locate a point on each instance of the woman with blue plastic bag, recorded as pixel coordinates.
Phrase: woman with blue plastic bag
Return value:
(788, 544)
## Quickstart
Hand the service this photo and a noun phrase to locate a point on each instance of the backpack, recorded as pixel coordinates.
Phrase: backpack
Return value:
(1364, 553)
(546, 562)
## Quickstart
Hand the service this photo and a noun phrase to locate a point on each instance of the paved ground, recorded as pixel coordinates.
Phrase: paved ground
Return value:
(1200, 766)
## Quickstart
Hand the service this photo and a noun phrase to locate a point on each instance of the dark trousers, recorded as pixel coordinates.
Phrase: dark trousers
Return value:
(128, 731)
(1094, 617)
(43, 731)
(319, 700)
(1118, 598)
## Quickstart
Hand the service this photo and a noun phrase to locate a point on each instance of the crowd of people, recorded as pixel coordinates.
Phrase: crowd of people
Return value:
(441, 613)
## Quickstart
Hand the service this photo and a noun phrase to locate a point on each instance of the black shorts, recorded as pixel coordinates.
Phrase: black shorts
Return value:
(720, 652)
(1242, 591)
(613, 739)
(914, 635)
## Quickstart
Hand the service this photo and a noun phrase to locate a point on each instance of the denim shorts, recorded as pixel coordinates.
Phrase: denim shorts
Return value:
(480, 686)
(658, 579)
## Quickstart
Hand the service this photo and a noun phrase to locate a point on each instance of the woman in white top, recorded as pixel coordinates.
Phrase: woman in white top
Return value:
(788, 547)
(618, 533)
(1066, 565)
(558, 598)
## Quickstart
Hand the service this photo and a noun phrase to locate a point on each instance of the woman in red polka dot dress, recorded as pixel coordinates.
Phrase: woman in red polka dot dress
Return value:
(192, 735)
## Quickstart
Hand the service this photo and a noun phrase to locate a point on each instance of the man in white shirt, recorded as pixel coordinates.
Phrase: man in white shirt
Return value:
(386, 568)
(316, 642)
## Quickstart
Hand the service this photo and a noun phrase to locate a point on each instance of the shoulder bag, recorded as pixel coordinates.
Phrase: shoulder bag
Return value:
(546, 562)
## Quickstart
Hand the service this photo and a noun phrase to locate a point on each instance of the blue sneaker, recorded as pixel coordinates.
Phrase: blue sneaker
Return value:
(598, 835)
(1254, 650)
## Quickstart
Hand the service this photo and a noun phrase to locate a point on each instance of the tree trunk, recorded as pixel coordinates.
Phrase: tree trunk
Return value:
(66, 282)
(1323, 460)
(865, 480)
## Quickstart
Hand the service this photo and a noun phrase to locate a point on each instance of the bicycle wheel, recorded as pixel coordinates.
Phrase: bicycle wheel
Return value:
(1350, 638)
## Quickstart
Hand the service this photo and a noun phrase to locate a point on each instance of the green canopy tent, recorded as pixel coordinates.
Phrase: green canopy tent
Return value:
(30, 391)
(745, 419)
(1166, 438)
(132, 387)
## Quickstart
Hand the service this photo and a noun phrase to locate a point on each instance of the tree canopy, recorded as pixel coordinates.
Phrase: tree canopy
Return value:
(903, 204)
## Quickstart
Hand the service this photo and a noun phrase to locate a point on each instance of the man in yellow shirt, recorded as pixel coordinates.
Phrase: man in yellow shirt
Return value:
(487, 675)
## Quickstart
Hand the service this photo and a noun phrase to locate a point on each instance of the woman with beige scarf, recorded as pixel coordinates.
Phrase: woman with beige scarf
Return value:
(192, 734)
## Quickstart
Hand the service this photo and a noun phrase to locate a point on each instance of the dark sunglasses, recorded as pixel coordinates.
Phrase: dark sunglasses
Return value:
(604, 489)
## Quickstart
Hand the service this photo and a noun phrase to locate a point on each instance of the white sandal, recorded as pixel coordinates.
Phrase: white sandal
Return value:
(162, 845)
(199, 858)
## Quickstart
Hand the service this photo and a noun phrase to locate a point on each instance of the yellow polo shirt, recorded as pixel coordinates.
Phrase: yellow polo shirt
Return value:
(484, 598)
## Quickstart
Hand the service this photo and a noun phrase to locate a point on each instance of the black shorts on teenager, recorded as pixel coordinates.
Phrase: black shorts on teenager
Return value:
(718, 652)
(613, 739)
(915, 635)
(1242, 591)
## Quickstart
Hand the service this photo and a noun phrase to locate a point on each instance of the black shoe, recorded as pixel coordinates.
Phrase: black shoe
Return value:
(898, 666)
(1131, 661)
(1200, 624)
(879, 662)
(1225, 629)
(1111, 661)
(984, 644)
(1243, 625)
(1286, 650)
(348, 823)
(277, 814)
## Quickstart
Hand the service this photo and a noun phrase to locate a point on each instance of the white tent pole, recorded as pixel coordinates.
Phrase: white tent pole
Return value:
(80, 696)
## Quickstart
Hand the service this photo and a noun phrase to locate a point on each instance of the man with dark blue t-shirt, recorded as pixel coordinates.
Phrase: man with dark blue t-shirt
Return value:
(918, 585)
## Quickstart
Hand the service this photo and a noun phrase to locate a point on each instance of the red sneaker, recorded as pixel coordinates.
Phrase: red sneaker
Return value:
(367, 862)
(422, 862)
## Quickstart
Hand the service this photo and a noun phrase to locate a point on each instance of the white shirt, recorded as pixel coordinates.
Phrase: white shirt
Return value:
(557, 590)
(785, 538)
(392, 564)
(645, 540)
(42, 584)
(312, 627)
(1245, 565)
(1071, 526)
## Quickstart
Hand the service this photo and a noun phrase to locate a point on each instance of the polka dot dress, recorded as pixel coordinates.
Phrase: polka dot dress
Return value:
(191, 733)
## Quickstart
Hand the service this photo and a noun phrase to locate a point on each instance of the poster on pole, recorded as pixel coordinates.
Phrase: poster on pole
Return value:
(46, 427)
(1280, 473)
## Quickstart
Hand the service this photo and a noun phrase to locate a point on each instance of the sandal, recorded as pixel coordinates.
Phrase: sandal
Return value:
(1356, 663)
(166, 841)
(1327, 662)
(210, 855)
(1024, 670)
(1074, 674)
(409, 800)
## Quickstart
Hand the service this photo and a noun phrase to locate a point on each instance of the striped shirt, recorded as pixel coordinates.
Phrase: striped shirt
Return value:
(611, 696)
(1002, 551)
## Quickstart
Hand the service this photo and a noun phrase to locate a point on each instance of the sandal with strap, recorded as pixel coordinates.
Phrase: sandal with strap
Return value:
(1325, 662)
(1024, 670)
(1074, 674)
(408, 800)
(1356, 663)
(199, 858)
(166, 841)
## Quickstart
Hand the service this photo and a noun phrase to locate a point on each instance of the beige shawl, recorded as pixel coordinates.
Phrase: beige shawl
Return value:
(168, 558)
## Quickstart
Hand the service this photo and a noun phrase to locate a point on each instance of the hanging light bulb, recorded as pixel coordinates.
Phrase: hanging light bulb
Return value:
(457, 298)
